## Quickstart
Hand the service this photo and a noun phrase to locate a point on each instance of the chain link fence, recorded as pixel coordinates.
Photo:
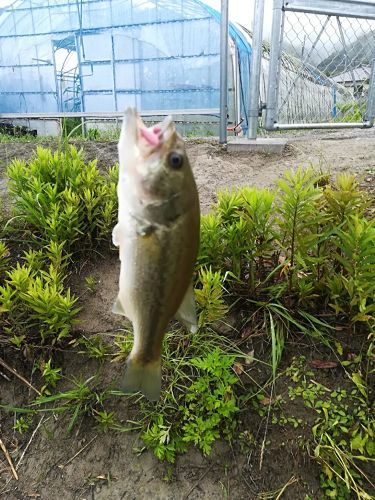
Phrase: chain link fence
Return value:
(321, 67)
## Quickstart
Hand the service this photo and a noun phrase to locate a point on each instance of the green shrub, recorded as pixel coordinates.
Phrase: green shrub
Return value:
(61, 198)
(61, 204)
(308, 244)
(34, 304)
(238, 236)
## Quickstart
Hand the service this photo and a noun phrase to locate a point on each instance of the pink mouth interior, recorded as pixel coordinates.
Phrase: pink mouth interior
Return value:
(151, 136)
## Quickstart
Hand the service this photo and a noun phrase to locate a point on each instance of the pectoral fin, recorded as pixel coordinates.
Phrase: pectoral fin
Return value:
(115, 235)
(186, 313)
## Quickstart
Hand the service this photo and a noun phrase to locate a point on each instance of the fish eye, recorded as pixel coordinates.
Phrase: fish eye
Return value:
(175, 160)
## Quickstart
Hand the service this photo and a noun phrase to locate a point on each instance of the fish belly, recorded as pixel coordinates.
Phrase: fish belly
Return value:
(156, 271)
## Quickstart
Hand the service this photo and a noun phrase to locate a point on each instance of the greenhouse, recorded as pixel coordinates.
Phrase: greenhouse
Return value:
(161, 56)
(105, 55)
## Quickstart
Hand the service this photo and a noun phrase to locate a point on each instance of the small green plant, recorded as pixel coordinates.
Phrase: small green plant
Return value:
(239, 236)
(90, 283)
(211, 401)
(77, 402)
(247, 441)
(162, 439)
(206, 410)
(343, 434)
(343, 198)
(51, 377)
(22, 425)
(105, 420)
(93, 134)
(212, 245)
(94, 346)
(210, 297)
(4, 258)
(298, 222)
(351, 286)
(81, 401)
(71, 127)
(124, 344)
(277, 342)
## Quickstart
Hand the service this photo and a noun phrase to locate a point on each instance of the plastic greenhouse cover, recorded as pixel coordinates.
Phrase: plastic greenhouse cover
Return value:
(102, 55)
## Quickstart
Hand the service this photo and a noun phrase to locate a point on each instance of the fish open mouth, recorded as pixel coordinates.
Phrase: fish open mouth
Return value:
(152, 139)
(148, 139)
(141, 148)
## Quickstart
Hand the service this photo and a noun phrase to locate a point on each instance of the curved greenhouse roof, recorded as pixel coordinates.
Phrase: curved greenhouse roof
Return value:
(105, 55)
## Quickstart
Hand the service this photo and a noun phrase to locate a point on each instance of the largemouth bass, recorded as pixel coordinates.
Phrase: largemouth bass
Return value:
(158, 237)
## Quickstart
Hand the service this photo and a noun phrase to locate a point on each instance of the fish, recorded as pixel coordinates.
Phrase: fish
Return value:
(158, 238)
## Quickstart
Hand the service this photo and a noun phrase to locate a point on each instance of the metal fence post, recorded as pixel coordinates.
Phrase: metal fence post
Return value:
(274, 64)
(256, 66)
(370, 109)
(223, 71)
(319, 68)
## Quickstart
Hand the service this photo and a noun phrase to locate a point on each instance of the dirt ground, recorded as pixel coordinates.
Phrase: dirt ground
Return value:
(88, 464)
(215, 169)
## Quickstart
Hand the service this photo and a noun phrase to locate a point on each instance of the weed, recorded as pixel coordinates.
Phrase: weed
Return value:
(90, 283)
(62, 199)
(4, 258)
(205, 411)
(351, 286)
(71, 126)
(211, 401)
(247, 441)
(298, 222)
(277, 340)
(124, 344)
(105, 419)
(22, 425)
(51, 376)
(343, 428)
(343, 198)
(80, 401)
(210, 297)
(351, 112)
(94, 346)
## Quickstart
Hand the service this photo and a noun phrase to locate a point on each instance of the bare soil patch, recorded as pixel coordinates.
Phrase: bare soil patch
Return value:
(215, 169)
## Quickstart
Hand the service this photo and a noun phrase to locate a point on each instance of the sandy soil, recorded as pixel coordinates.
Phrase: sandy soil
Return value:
(88, 464)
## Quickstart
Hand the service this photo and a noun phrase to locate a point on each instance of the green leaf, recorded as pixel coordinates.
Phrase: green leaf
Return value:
(360, 383)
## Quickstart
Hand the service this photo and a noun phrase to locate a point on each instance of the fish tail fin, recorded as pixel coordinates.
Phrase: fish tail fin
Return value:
(143, 377)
